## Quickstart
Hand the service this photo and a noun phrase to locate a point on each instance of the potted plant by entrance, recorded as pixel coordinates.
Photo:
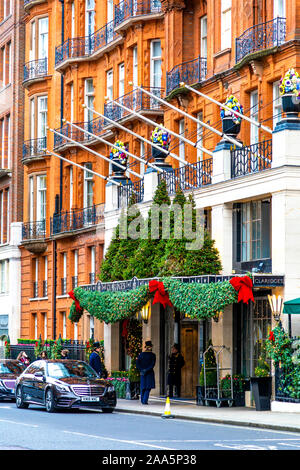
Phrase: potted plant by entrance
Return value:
(289, 89)
(162, 139)
(239, 386)
(119, 156)
(231, 123)
(261, 385)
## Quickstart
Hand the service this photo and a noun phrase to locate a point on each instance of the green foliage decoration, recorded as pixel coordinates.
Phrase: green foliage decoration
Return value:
(210, 378)
(198, 301)
(7, 349)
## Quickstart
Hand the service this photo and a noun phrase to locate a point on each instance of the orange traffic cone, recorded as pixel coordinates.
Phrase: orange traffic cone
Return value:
(167, 413)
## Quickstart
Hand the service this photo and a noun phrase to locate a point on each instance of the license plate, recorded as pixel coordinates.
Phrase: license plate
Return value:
(90, 399)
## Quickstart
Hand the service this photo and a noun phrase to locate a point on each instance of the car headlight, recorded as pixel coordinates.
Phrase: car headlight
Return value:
(110, 388)
(62, 388)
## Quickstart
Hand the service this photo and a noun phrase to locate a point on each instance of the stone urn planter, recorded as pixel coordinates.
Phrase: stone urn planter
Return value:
(289, 89)
(117, 155)
(291, 105)
(161, 139)
(231, 123)
(230, 127)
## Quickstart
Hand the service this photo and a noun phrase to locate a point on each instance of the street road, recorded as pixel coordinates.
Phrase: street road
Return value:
(35, 429)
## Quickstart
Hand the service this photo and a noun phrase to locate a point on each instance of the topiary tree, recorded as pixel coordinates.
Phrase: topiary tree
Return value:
(106, 266)
(210, 368)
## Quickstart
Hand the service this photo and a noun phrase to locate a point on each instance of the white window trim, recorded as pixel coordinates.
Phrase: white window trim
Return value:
(226, 33)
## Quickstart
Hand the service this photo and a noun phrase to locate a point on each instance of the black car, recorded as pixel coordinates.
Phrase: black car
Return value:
(64, 383)
(10, 369)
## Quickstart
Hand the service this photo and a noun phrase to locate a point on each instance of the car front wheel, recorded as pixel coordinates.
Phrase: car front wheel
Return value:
(50, 403)
(20, 399)
(107, 410)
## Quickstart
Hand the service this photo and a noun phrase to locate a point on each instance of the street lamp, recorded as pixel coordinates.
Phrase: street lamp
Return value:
(276, 304)
(217, 316)
(146, 312)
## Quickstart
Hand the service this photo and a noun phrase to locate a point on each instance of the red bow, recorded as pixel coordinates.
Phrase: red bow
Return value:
(271, 336)
(160, 296)
(244, 287)
(124, 333)
(77, 304)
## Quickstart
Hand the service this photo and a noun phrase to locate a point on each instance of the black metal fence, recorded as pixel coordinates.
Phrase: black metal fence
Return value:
(188, 177)
(251, 159)
(77, 349)
(283, 385)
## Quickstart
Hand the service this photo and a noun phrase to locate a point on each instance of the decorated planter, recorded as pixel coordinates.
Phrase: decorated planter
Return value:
(118, 155)
(162, 139)
(231, 123)
(289, 89)
(261, 388)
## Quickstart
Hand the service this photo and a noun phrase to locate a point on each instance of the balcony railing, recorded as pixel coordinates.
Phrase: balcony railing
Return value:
(132, 8)
(92, 278)
(259, 37)
(188, 177)
(136, 100)
(35, 69)
(34, 230)
(74, 282)
(63, 284)
(77, 219)
(95, 127)
(193, 71)
(45, 288)
(34, 148)
(251, 159)
(85, 46)
(127, 191)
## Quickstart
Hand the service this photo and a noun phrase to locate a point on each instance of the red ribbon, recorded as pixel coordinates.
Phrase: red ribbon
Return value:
(160, 296)
(77, 304)
(124, 333)
(244, 287)
(271, 336)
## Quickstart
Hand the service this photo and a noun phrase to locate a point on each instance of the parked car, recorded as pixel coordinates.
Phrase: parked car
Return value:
(10, 369)
(64, 383)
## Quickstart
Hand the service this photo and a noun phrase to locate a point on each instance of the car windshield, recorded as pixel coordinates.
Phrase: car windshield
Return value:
(10, 368)
(59, 370)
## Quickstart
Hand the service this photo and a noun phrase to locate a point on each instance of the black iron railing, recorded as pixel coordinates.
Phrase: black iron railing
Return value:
(192, 71)
(136, 100)
(45, 288)
(35, 69)
(259, 37)
(188, 177)
(85, 46)
(130, 8)
(133, 190)
(94, 126)
(63, 284)
(251, 159)
(74, 282)
(76, 219)
(34, 147)
(35, 290)
(34, 230)
(92, 277)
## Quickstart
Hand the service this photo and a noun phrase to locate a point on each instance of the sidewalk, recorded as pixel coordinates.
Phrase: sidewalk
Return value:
(224, 415)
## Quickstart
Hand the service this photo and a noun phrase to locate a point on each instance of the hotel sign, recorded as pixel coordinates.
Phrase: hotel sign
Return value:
(259, 280)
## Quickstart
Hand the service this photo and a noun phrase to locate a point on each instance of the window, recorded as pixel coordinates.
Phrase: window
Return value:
(109, 84)
(3, 67)
(43, 38)
(72, 102)
(8, 133)
(64, 274)
(42, 116)
(277, 105)
(92, 326)
(41, 198)
(73, 19)
(35, 330)
(93, 265)
(121, 79)
(9, 63)
(252, 232)
(44, 316)
(5, 139)
(89, 99)
(110, 10)
(45, 281)
(279, 9)
(64, 324)
(181, 143)
(254, 134)
(135, 67)
(203, 37)
(225, 24)
(89, 17)
(31, 199)
(75, 266)
(88, 186)
(4, 276)
(199, 137)
(4, 216)
(155, 66)
(71, 186)
(142, 153)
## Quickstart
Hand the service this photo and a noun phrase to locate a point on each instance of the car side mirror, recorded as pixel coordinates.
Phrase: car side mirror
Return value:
(39, 375)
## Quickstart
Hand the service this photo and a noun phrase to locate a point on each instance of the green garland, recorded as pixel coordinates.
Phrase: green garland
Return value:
(190, 299)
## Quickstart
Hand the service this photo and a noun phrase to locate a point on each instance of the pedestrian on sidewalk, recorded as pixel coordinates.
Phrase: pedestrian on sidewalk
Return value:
(23, 358)
(145, 363)
(176, 362)
(95, 359)
(65, 354)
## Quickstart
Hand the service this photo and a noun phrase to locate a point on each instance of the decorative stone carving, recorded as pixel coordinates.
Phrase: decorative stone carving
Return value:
(169, 5)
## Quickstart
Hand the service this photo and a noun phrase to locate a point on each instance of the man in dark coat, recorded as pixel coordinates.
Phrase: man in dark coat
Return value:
(95, 360)
(176, 362)
(145, 363)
